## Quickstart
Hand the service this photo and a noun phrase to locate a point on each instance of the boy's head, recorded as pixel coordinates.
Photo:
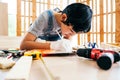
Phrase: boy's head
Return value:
(79, 16)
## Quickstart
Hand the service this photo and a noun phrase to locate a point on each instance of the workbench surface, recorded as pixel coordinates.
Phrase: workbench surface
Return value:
(70, 68)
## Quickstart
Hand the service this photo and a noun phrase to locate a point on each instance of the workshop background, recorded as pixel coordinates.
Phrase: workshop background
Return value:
(17, 15)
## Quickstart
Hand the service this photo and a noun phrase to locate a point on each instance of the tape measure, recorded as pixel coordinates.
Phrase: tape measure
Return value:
(34, 53)
(37, 55)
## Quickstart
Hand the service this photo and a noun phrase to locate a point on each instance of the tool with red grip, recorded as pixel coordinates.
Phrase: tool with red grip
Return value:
(104, 58)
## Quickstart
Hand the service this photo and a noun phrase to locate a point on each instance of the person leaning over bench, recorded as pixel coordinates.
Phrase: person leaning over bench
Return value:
(51, 24)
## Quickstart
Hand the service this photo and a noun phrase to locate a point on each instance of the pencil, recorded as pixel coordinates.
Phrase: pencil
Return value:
(59, 35)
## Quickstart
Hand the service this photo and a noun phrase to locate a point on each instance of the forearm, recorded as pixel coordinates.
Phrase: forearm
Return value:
(28, 45)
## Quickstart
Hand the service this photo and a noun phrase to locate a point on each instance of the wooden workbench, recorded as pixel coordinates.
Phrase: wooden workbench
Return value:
(69, 67)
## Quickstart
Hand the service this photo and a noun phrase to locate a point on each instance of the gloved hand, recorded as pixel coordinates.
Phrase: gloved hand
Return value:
(61, 45)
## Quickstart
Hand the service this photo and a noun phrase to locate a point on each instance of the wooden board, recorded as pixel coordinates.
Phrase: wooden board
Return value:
(21, 69)
(3, 19)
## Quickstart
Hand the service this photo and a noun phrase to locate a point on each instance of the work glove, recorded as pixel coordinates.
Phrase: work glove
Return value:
(63, 45)
(6, 63)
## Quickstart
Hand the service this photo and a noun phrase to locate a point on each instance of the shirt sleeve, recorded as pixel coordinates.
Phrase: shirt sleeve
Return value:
(38, 25)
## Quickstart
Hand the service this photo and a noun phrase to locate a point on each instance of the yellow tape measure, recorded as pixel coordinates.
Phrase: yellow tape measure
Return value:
(37, 55)
(34, 53)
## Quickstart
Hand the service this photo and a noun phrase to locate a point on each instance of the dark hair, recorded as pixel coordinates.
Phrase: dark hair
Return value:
(79, 16)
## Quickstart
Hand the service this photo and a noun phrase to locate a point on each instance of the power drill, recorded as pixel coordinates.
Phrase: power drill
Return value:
(104, 58)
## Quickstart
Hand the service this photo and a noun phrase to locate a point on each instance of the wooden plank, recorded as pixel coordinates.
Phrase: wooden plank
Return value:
(97, 24)
(33, 10)
(21, 69)
(93, 21)
(106, 21)
(112, 22)
(29, 12)
(39, 72)
(48, 4)
(25, 2)
(78, 38)
(3, 19)
(117, 35)
(18, 18)
(101, 22)
(88, 34)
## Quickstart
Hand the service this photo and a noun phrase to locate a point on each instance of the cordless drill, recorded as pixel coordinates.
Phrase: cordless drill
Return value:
(104, 58)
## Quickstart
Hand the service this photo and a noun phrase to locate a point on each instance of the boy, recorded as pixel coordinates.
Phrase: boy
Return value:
(50, 25)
